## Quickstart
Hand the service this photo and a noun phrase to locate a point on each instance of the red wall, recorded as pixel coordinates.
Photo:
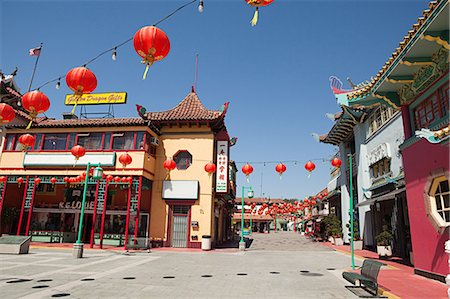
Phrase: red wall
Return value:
(419, 160)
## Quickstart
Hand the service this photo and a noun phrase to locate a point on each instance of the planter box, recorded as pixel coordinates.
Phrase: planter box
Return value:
(384, 250)
(338, 241)
(358, 245)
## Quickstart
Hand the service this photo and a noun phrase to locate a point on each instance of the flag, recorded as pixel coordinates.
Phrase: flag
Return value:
(35, 51)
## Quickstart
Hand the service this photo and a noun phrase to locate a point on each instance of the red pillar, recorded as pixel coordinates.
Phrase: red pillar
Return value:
(2, 200)
(406, 122)
(127, 223)
(30, 211)
(295, 223)
(138, 210)
(94, 215)
(102, 225)
(19, 226)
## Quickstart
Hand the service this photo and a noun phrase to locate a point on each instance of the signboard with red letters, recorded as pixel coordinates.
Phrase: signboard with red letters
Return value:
(222, 167)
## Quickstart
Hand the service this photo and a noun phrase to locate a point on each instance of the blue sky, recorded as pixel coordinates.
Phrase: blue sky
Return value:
(275, 74)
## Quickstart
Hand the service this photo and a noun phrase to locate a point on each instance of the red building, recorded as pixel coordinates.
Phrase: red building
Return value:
(415, 79)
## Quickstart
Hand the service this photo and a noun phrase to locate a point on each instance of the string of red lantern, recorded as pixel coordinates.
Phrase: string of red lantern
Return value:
(114, 48)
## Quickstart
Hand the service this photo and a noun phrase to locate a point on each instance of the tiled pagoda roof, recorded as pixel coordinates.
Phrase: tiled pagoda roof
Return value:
(403, 46)
(189, 109)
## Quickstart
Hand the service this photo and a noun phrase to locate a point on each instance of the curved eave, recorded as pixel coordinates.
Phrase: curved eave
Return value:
(425, 38)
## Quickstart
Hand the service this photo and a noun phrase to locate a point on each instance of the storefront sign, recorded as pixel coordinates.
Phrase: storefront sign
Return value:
(187, 190)
(57, 159)
(222, 167)
(97, 98)
(76, 205)
(378, 153)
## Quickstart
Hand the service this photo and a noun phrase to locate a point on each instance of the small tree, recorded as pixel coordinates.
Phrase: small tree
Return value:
(332, 226)
(356, 235)
(384, 238)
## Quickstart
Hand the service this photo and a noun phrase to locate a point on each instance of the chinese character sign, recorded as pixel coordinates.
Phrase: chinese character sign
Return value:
(222, 167)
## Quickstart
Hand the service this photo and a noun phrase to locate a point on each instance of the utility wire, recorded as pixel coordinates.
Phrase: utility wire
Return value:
(122, 43)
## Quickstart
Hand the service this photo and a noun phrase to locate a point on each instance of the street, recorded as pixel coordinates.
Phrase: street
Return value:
(277, 265)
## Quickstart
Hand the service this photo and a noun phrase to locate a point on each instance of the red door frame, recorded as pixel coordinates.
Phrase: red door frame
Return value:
(30, 210)
(102, 225)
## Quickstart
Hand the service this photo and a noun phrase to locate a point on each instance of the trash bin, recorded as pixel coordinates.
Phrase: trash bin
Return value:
(206, 242)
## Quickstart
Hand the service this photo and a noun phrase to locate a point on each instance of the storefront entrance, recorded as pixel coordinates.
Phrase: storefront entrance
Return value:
(180, 226)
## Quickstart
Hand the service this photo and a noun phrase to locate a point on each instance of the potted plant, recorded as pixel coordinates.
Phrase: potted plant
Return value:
(333, 229)
(357, 242)
(384, 239)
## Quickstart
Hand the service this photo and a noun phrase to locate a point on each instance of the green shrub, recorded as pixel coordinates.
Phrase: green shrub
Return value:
(332, 226)
(356, 235)
(384, 238)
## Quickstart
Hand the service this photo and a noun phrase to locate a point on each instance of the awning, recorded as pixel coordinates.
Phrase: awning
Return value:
(390, 195)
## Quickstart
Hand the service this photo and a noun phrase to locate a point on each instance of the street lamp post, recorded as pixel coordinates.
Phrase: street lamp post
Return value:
(250, 195)
(352, 247)
(98, 173)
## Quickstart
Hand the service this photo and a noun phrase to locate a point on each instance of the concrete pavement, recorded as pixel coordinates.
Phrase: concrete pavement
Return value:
(281, 265)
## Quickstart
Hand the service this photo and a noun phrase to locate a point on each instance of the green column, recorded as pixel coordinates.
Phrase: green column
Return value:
(352, 247)
(242, 215)
(83, 203)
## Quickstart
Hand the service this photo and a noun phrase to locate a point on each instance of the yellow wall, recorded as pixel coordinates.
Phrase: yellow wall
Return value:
(201, 146)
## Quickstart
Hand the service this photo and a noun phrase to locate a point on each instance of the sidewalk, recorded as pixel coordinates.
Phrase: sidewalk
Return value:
(398, 280)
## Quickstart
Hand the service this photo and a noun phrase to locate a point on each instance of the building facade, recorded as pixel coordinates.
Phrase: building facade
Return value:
(132, 202)
(415, 80)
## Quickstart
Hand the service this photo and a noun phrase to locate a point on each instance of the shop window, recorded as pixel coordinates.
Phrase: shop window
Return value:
(72, 140)
(45, 188)
(432, 108)
(150, 148)
(9, 144)
(140, 142)
(38, 143)
(123, 141)
(181, 210)
(183, 159)
(381, 168)
(55, 142)
(107, 141)
(438, 202)
(379, 117)
(90, 141)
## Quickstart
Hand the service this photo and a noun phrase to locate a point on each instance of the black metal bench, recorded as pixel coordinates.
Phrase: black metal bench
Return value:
(368, 279)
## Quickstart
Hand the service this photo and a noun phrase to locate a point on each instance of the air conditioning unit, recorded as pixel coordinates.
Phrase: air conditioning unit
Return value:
(154, 141)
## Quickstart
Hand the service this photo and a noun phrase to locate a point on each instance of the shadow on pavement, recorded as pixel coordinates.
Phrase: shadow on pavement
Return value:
(235, 243)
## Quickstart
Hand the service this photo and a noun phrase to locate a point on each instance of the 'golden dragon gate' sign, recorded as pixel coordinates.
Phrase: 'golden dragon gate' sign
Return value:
(97, 98)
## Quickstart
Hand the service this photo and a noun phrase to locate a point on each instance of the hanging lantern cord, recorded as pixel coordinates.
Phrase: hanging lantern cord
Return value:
(122, 43)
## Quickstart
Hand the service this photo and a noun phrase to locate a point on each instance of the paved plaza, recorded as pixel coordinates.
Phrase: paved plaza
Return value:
(277, 265)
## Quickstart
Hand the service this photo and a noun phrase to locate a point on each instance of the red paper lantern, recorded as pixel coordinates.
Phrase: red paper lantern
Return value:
(3, 179)
(83, 175)
(336, 162)
(130, 180)
(152, 44)
(35, 102)
(78, 151)
(125, 159)
(19, 181)
(257, 4)
(310, 166)
(27, 140)
(7, 113)
(81, 80)
(109, 178)
(37, 181)
(169, 165)
(66, 179)
(247, 169)
(53, 180)
(210, 168)
(116, 179)
(124, 179)
(280, 168)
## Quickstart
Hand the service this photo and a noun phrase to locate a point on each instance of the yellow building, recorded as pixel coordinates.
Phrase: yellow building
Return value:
(132, 202)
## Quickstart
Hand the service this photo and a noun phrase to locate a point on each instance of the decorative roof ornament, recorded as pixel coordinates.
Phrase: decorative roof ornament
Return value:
(434, 136)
